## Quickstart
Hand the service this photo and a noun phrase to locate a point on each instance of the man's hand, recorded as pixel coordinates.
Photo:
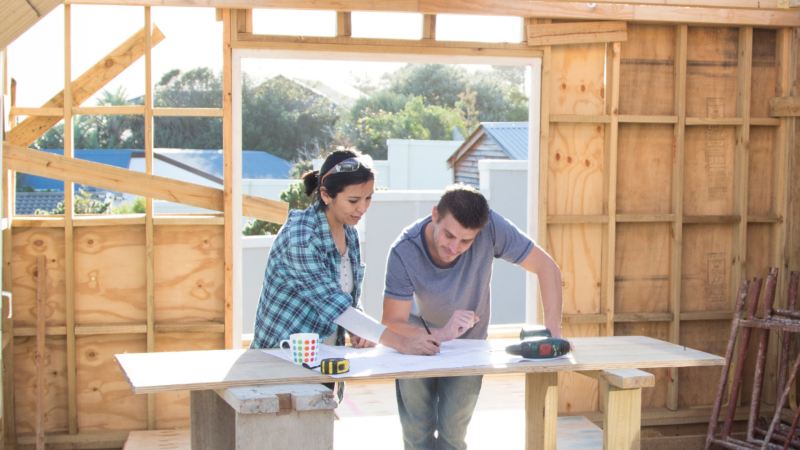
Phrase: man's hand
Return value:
(421, 344)
(461, 321)
(359, 342)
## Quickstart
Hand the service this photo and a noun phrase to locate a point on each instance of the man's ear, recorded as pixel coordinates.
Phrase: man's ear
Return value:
(435, 215)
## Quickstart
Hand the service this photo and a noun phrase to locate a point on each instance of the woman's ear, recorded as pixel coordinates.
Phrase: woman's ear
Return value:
(323, 194)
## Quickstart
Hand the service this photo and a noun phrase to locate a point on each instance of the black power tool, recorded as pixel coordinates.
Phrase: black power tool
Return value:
(540, 348)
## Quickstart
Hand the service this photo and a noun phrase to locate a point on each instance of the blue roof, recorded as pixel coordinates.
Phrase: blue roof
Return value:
(255, 164)
(511, 136)
(112, 157)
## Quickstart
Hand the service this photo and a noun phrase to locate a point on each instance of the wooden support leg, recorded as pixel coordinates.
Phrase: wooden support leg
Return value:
(541, 410)
(622, 399)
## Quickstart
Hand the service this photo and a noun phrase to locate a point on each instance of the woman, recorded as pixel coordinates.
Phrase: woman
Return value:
(313, 278)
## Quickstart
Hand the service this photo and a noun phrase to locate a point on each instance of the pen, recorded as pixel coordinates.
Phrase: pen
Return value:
(424, 324)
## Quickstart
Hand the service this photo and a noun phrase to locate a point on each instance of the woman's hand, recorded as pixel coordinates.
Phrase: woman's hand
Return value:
(359, 342)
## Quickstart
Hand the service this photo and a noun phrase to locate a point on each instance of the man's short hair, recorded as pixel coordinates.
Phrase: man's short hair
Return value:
(466, 204)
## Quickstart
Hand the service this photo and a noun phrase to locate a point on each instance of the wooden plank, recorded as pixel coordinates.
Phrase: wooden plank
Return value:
(711, 77)
(214, 369)
(645, 218)
(110, 275)
(187, 112)
(106, 402)
(55, 383)
(580, 118)
(707, 265)
(764, 79)
(124, 110)
(115, 220)
(638, 118)
(578, 433)
(570, 33)
(610, 184)
(622, 419)
(541, 410)
(563, 219)
(344, 26)
(642, 317)
(84, 86)
(762, 155)
(69, 100)
(575, 167)
(429, 27)
(678, 171)
(121, 180)
(716, 11)
(231, 227)
(647, 68)
(190, 281)
(577, 249)
(177, 439)
(149, 265)
(383, 46)
(692, 121)
(41, 295)
(784, 106)
(707, 315)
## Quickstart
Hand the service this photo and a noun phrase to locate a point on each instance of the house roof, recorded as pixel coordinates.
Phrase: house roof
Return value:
(28, 202)
(512, 137)
(205, 163)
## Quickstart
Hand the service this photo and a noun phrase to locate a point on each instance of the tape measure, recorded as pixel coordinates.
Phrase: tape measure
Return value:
(332, 366)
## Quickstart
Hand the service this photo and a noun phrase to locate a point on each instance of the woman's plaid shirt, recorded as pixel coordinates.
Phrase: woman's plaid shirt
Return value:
(301, 291)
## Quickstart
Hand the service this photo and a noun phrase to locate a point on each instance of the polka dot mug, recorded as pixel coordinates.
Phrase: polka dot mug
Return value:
(304, 348)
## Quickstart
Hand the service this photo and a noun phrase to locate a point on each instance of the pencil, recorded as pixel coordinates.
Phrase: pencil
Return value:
(424, 324)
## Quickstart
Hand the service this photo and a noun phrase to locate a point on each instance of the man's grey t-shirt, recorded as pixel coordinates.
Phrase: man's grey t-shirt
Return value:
(464, 284)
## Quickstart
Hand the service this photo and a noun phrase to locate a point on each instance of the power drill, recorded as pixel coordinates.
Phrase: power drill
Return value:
(540, 348)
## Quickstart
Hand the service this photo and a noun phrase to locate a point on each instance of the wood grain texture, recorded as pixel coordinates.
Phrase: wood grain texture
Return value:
(55, 417)
(707, 264)
(711, 337)
(655, 397)
(764, 81)
(577, 250)
(711, 72)
(644, 169)
(578, 393)
(762, 161)
(577, 84)
(110, 275)
(709, 171)
(571, 33)
(643, 265)
(189, 274)
(647, 64)
(104, 400)
(575, 169)
(27, 244)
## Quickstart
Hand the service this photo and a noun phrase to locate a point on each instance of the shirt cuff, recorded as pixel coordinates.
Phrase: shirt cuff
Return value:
(360, 324)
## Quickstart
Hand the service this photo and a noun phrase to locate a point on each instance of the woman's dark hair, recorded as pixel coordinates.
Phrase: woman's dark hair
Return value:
(336, 182)
(467, 205)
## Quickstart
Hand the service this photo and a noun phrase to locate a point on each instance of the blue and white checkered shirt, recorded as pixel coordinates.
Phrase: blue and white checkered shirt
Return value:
(301, 291)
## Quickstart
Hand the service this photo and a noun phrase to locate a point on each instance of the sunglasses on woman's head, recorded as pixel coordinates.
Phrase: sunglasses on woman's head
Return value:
(348, 165)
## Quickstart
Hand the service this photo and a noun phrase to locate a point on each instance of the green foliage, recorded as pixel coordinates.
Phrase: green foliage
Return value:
(299, 168)
(415, 121)
(137, 206)
(287, 119)
(295, 196)
(196, 88)
(437, 84)
(84, 203)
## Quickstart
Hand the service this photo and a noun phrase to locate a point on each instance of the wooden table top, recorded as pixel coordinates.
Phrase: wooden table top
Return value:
(215, 369)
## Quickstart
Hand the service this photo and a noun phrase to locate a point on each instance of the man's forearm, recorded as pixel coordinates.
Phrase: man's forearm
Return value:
(550, 285)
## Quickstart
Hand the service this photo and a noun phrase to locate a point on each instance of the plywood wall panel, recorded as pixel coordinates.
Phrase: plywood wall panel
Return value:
(642, 280)
(110, 275)
(761, 168)
(172, 408)
(27, 245)
(577, 79)
(577, 393)
(655, 397)
(577, 250)
(189, 274)
(575, 169)
(709, 169)
(764, 82)
(105, 400)
(707, 263)
(760, 251)
(55, 418)
(647, 65)
(711, 78)
(644, 169)
(697, 384)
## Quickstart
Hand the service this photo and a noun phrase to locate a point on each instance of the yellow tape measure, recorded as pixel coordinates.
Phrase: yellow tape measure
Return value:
(332, 366)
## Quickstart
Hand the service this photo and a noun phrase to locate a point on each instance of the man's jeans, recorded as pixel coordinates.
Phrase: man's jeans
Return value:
(442, 404)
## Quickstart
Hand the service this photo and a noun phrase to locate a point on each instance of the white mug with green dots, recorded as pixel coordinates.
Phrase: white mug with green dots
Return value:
(304, 347)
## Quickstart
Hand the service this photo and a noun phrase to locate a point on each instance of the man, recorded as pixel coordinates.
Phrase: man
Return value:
(441, 266)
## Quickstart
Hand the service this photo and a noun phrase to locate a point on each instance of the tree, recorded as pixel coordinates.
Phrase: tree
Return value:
(437, 84)
(137, 206)
(196, 88)
(83, 203)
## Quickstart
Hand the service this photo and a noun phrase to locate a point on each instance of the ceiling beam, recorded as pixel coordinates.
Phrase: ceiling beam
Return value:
(768, 13)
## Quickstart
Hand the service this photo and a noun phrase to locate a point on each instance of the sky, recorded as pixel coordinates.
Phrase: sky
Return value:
(36, 59)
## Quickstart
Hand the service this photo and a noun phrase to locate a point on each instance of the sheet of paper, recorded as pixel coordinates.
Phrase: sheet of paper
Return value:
(455, 354)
